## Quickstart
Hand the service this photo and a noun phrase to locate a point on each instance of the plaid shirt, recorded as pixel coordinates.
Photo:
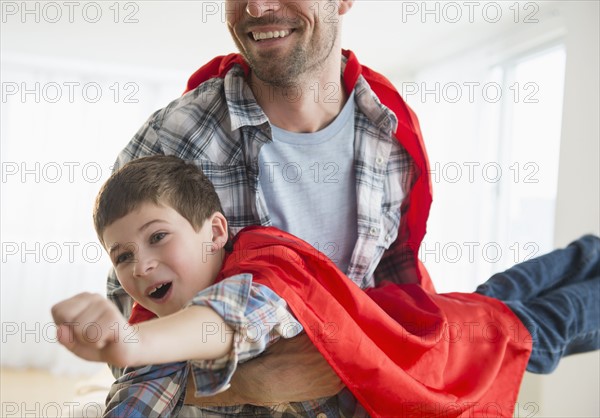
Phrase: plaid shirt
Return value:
(258, 318)
(220, 127)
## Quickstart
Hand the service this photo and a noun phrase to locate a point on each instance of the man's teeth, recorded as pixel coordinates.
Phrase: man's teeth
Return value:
(156, 288)
(259, 36)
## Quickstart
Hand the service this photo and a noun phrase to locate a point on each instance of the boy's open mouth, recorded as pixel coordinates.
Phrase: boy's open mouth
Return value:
(160, 291)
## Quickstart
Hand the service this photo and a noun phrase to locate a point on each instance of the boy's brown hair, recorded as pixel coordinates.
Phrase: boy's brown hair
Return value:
(159, 179)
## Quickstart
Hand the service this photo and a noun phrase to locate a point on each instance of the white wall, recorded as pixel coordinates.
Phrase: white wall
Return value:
(578, 206)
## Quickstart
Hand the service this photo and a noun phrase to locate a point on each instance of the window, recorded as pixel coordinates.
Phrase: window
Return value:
(492, 131)
(63, 124)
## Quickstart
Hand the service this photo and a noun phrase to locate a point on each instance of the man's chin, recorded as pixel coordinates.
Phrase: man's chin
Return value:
(281, 76)
(276, 68)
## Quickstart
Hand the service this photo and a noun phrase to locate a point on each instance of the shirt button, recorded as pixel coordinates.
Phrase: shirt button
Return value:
(373, 231)
(321, 415)
(388, 238)
(224, 388)
(379, 160)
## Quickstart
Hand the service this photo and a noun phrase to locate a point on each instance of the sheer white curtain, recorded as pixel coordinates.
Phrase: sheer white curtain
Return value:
(63, 124)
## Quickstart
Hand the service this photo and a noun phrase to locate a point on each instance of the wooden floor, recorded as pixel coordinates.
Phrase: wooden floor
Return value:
(36, 393)
(571, 391)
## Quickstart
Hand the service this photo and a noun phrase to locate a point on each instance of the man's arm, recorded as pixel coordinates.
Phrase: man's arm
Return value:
(159, 341)
(291, 370)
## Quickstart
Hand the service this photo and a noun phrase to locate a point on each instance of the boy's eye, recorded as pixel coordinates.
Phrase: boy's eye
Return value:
(123, 258)
(157, 237)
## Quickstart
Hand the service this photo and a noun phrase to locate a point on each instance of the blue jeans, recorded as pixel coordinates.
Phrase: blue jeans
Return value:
(557, 297)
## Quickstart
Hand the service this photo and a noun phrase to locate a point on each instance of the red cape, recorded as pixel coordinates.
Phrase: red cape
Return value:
(403, 352)
(400, 350)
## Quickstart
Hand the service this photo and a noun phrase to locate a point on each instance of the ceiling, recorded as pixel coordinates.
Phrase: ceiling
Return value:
(180, 35)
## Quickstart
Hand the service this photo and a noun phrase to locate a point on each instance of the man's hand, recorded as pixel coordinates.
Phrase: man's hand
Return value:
(90, 326)
(291, 370)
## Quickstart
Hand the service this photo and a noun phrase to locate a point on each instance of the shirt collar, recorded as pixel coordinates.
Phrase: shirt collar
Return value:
(241, 103)
(244, 109)
(369, 104)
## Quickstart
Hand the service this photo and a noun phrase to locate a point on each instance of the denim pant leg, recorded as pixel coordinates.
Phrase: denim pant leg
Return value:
(561, 322)
(557, 297)
(579, 261)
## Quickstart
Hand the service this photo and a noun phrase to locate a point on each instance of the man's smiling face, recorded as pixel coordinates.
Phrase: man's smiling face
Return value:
(285, 40)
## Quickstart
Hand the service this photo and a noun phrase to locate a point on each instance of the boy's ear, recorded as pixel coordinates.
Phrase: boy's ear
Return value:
(220, 232)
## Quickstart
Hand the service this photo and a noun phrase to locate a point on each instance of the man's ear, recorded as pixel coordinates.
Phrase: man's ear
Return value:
(220, 232)
(345, 6)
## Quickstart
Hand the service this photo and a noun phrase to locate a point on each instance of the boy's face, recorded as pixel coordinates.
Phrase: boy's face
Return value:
(160, 260)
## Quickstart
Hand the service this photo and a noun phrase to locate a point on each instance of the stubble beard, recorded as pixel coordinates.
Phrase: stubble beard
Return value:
(298, 65)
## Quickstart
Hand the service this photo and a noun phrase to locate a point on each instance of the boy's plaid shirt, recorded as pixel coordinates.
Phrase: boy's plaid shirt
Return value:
(221, 127)
(258, 317)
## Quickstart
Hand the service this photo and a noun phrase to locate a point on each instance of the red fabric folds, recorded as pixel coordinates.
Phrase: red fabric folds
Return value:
(401, 350)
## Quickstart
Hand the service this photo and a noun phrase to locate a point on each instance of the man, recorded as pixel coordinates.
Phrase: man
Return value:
(293, 49)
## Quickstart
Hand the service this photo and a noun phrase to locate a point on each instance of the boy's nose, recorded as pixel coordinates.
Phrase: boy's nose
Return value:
(144, 266)
(258, 8)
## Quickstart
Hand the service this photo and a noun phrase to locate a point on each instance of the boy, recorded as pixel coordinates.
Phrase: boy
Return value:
(160, 220)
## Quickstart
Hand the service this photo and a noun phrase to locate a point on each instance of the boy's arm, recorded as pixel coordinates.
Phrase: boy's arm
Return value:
(92, 328)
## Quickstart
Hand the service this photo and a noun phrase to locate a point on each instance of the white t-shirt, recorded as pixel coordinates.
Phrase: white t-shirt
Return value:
(309, 185)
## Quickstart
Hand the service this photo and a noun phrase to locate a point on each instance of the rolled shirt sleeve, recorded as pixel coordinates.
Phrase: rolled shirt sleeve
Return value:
(258, 318)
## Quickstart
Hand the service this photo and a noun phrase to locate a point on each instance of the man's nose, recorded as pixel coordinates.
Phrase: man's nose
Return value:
(258, 8)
